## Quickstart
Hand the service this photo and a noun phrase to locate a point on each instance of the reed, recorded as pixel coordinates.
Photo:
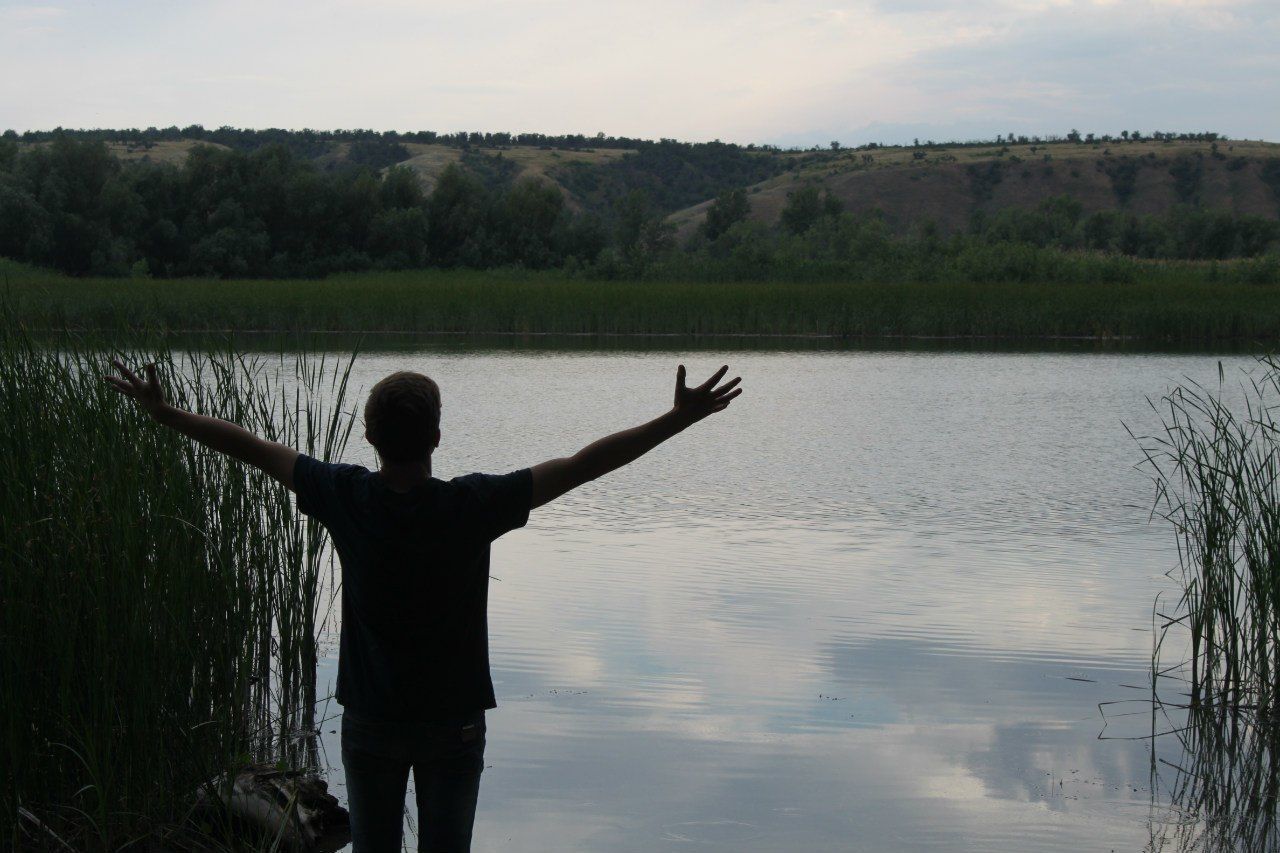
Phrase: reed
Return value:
(161, 603)
(1162, 302)
(1217, 789)
(1216, 466)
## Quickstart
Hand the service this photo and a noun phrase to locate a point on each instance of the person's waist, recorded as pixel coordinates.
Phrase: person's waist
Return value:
(433, 718)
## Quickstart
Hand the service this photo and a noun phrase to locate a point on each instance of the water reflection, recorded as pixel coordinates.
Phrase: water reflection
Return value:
(1215, 781)
(875, 611)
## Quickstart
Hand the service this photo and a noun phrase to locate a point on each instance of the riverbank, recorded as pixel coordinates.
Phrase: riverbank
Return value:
(1176, 303)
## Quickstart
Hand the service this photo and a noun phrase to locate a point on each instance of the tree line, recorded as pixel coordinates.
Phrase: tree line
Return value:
(314, 142)
(71, 205)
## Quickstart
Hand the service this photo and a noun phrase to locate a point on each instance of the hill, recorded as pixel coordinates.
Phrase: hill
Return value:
(940, 183)
(947, 185)
(594, 174)
(170, 151)
(542, 162)
(280, 203)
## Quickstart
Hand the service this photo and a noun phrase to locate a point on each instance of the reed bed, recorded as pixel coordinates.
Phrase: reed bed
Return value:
(1217, 790)
(1216, 656)
(1216, 465)
(1167, 303)
(161, 603)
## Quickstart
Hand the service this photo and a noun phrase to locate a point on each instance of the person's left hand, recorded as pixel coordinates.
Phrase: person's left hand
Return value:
(148, 393)
(694, 404)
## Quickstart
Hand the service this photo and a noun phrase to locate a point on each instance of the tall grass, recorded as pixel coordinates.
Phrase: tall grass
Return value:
(160, 602)
(1219, 791)
(1216, 465)
(1183, 303)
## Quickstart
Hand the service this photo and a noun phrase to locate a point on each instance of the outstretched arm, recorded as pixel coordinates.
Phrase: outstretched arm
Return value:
(552, 479)
(276, 460)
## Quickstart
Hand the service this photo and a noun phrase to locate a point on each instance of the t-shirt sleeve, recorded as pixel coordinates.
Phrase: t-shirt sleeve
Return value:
(316, 485)
(499, 503)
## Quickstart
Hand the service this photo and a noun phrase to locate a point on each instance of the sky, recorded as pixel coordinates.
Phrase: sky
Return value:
(798, 72)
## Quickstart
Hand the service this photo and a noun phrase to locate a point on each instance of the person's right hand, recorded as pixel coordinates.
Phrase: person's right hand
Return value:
(694, 404)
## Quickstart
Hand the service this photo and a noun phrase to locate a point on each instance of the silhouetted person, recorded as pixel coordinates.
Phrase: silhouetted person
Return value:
(413, 664)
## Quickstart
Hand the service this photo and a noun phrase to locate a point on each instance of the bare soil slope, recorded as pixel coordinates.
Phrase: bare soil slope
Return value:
(946, 186)
(165, 151)
(428, 161)
(911, 185)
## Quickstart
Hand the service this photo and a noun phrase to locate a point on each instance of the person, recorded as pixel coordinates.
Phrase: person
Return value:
(413, 660)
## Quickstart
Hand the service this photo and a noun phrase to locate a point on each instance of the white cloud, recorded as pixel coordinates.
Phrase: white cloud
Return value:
(31, 13)
(801, 71)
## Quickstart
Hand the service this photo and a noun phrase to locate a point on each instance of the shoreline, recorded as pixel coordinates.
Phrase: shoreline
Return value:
(391, 339)
(446, 333)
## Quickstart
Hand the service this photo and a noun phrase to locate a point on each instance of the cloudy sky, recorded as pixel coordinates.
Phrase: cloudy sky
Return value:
(788, 72)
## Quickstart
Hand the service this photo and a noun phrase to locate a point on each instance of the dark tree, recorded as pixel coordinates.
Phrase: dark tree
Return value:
(457, 213)
(728, 209)
(376, 153)
(528, 220)
(806, 206)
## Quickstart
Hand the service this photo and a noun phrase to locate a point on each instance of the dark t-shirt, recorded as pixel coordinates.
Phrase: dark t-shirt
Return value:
(415, 584)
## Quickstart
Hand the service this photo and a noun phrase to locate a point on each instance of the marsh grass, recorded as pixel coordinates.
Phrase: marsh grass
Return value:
(1216, 656)
(1165, 302)
(1217, 790)
(161, 603)
(1216, 466)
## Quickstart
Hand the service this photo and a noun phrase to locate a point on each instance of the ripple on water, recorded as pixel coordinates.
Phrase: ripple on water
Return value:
(873, 607)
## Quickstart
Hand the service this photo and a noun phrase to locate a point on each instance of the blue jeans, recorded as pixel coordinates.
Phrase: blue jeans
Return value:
(446, 760)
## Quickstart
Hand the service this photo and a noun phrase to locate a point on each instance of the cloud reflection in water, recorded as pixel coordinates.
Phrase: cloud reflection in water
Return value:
(848, 616)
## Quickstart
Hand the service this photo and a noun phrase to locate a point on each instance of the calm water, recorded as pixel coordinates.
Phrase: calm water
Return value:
(874, 606)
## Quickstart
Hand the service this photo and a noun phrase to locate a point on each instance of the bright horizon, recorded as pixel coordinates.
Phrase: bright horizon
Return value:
(792, 74)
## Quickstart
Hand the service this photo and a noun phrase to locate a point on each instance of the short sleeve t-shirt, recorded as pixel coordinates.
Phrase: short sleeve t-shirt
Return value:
(415, 584)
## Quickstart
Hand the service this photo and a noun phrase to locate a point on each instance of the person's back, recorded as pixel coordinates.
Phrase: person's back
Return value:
(413, 659)
(415, 578)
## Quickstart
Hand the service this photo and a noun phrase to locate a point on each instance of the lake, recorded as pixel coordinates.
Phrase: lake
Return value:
(873, 606)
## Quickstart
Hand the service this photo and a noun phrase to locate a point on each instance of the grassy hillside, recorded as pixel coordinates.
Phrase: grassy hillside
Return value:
(947, 184)
(286, 204)
(941, 183)
(172, 152)
(428, 161)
